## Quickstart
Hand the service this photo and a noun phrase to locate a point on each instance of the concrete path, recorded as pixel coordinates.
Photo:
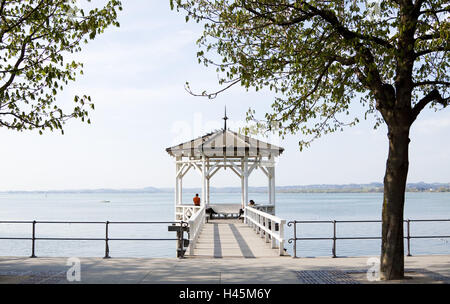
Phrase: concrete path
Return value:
(230, 238)
(276, 270)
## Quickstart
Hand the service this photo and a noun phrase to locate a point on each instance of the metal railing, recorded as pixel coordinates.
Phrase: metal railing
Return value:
(268, 226)
(408, 236)
(106, 239)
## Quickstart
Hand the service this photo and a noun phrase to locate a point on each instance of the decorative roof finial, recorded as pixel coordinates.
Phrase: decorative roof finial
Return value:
(225, 119)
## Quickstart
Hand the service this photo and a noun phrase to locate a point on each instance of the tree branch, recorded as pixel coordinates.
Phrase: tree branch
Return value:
(16, 66)
(430, 97)
(211, 95)
(438, 49)
(21, 19)
(284, 23)
(345, 60)
(435, 82)
(327, 16)
(331, 18)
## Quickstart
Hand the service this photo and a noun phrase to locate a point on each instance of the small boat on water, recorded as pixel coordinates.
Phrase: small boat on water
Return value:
(105, 201)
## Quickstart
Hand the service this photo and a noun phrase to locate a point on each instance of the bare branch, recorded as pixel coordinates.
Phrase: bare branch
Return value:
(214, 94)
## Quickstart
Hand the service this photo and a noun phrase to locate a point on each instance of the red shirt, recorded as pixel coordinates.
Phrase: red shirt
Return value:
(196, 201)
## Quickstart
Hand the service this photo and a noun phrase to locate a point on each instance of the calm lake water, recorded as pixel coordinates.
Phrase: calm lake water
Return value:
(159, 207)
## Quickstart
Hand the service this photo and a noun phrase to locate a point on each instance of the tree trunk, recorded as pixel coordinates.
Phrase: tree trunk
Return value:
(392, 251)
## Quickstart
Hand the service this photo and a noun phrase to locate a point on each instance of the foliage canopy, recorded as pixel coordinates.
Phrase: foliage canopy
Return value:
(34, 37)
(320, 55)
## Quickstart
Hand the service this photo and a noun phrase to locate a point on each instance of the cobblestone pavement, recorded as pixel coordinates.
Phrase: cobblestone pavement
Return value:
(30, 277)
(324, 277)
(344, 276)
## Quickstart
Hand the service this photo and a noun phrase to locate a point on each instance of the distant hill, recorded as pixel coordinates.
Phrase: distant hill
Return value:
(364, 188)
(319, 188)
(101, 190)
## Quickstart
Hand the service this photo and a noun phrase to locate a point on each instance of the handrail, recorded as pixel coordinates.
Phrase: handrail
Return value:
(195, 227)
(265, 214)
(33, 237)
(408, 236)
(267, 225)
(187, 211)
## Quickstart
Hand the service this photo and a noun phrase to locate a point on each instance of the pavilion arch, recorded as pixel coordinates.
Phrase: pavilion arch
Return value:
(254, 180)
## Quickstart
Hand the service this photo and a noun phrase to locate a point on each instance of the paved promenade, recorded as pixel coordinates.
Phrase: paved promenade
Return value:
(283, 270)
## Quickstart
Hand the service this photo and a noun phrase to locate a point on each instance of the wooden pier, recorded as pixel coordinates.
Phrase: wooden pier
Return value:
(257, 235)
(230, 238)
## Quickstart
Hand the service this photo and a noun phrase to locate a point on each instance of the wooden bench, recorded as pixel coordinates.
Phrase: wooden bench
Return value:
(225, 211)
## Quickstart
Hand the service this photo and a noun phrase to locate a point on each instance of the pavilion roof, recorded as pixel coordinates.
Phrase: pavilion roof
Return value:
(225, 142)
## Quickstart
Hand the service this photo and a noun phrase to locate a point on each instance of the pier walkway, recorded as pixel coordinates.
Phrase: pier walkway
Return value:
(230, 238)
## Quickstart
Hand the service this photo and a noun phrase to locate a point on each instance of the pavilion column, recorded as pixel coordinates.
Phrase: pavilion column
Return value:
(269, 185)
(245, 184)
(207, 192)
(271, 171)
(179, 191)
(208, 167)
(204, 199)
(178, 181)
(242, 184)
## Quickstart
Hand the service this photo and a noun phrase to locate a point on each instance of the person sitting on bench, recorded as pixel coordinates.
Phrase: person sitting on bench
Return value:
(241, 213)
(210, 211)
(251, 203)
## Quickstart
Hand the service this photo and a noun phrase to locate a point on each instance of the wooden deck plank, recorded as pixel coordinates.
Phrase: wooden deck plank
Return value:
(230, 238)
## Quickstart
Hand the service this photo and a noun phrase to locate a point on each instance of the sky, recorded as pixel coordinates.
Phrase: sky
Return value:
(135, 75)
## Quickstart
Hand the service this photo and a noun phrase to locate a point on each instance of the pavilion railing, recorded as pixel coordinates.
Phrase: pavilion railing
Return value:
(267, 208)
(33, 238)
(185, 212)
(334, 238)
(267, 226)
(195, 227)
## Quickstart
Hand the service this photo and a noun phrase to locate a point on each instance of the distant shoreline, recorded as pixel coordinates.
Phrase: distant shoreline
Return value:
(323, 188)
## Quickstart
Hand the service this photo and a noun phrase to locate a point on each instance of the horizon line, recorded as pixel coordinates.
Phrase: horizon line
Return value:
(219, 187)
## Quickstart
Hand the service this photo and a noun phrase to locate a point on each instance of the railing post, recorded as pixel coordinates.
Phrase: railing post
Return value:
(261, 231)
(334, 239)
(273, 243)
(181, 240)
(191, 236)
(295, 239)
(408, 237)
(33, 239)
(267, 227)
(259, 222)
(106, 241)
(281, 233)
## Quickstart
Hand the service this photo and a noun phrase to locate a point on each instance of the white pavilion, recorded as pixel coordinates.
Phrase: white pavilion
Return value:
(223, 149)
